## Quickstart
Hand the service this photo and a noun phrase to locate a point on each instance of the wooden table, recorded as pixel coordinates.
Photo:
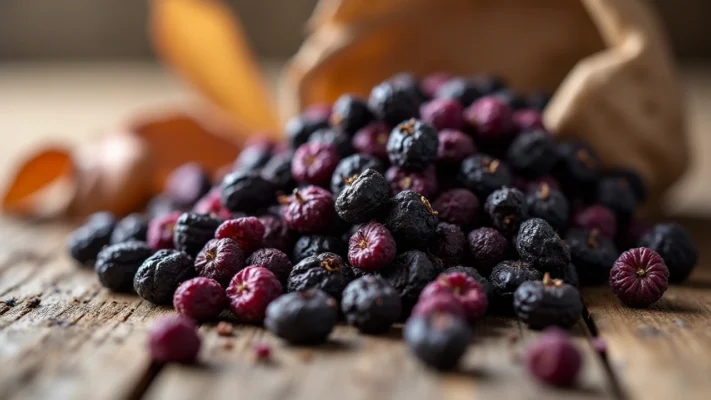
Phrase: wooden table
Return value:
(83, 342)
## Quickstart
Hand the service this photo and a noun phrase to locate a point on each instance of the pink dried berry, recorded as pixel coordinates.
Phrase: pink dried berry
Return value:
(491, 118)
(309, 210)
(372, 247)
(248, 232)
(160, 231)
(438, 303)
(528, 120)
(454, 146)
(443, 114)
(174, 339)
(200, 298)
(251, 291)
(553, 359)
(467, 291)
(211, 205)
(596, 217)
(220, 260)
(314, 163)
(262, 351)
(423, 182)
(276, 233)
(639, 277)
(457, 206)
(372, 140)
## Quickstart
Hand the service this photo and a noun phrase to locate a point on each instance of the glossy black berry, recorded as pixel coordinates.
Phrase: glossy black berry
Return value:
(592, 254)
(411, 219)
(409, 273)
(449, 243)
(507, 209)
(363, 197)
(578, 166)
(162, 273)
(676, 247)
(312, 245)
(532, 154)
(539, 244)
(439, 340)
(393, 103)
(413, 145)
(550, 302)
(277, 171)
(483, 174)
(116, 265)
(506, 277)
(352, 166)
(192, 231)
(350, 114)
(334, 137)
(131, 227)
(617, 195)
(462, 90)
(298, 129)
(87, 241)
(246, 191)
(548, 204)
(487, 247)
(305, 317)
(371, 304)
(326, 271)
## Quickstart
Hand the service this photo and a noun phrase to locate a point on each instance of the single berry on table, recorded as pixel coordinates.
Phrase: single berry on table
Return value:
(506, 277)
(449, 243)
(363, 197)
(507, 209)
(276, 233)
(439, 340)
(308, 210)
(616, 194)
(411, 220)
(454, 146)
(639, 277)
(116, 265)
(595, 217)
(211, 204)
(248, 232)
(393, 103)
(370, 304)
(303, 317)
(550, 302)
(192, 231)
(462, 90)
(457, 206)
(487, 247)
(491, 119)
(443, 114)
(187, 184)
(201, 299)
(86, 242)
(423, 182)
(325, 271)
(314, 163)
(251, 291)
(246, 191)
(298, 129)
(352, 166)
(550, 205)
(274, 260)
(474, 274)
(413, 145)
(313, 245)
(539, 244)
(592, 254)
(676, 247)
(254, 155)
(340, 140)
(160, 231)
(409, 273)
(162, 273)
(220, 260)
(174, 339)
(131, 227)
(553, 359)
(528, 120)
(465, 289)
(482, 174)
(372, 247)
(533, 154)
(443, 302)
(350, 114)
(372, 140)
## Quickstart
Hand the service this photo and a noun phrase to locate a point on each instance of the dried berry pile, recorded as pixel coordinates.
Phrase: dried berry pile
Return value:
(432, 202)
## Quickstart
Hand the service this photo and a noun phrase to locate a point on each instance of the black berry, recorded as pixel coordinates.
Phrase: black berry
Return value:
(413, 145)
(363, 197)
(676, 247)
(539, 244)
(116, 265)
(326, 271)
(439, 340)
(462, 90)
(246, 191)
(254, 155)
(457, 206)
(548, 204)
(449, 243)
(370, 304)
(87, 241)
(616, 194)
(506, 277)
(298, 129)
(131, 227)
(411, 219)
(393, 103)
(340, 140)
(550, 302)
(312, 245)
(352, 166)
(192, 231)
(533, 154)
(409, 273)
(507, 209)
(578, 166)
(187, 184)
(162, 273)
(350, 114)
(592, 254)
(277, 171)
(274, 260)
(483, 174)
(305, 317)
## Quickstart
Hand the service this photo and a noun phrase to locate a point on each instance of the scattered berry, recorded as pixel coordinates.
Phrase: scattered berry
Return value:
(371, 248)
(639, 277)
(592, 254)
(370, 304)
(372, 140)
(483, 174)
(488, 247)
(200, 298)
(465, 289)
(413, 145)
(443, 302)
(553, 359)
(187, 184)
(86, 242)
(578, 166)
(675, 246)
(539, 244)
(174, 339)
(454, 146)
(160, 231)
(507, 209)
(533, 154)
(423, 182)
(246, 191)
(251, 291)
(308, 210)
(449, 243)
(162, 273)
(304, 317)
(349, 167)
(192, 231)
(325, 271)
(312, 245)
(116, 265)
(549, 205)
(220, 260)
(506, 277)
(438, 340)
(550, 302)
(393, 103)
(443, 114)
(363, 197)
(457, 206)
(350, 114)
(274, 260)
(409, 273)
(131, 227)
(411, 220)
(248, 232)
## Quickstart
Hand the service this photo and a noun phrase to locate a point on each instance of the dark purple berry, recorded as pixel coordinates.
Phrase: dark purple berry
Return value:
(86, 242)
(462, 90)
(363, 197)
(509, 97)
(634, 181)
(201, 299)
(220, 260)
(550, 302)
(246, 191)
(299, 128)
(326, 271)
(187, 184)
(254, 155)
(248, 232)
(491, 119)
(393, 103)
(528, 120)
(457, 206)
(131, 227)
(372, 140)
(443, 302)
(371, 248)
(174, 339)
(578, 166)
(350, 114)
(507, 209)
(413, 145)
(304, 317)
(274, 260)
(340, 140)
(312, 245)
(276, 233)
(474, 274)
(539, 244)
(192, 231)
(592, 254)
(639, 277)
(506, 277)
(465, 289)
(553, 359)
(483, 174)
(352, 166)
(251, 291)
(550, 205)
(160, 231)
(116, 265)
(308, 210)
(616, 194)
(596, 217)
(439, 340)
(211, 204)
(488, 247)
(411, 219)
(488, 84)
(676, 247)
(162, 273)
(533, 154)
(409, 273)
(443, 114)
(370, 304)
(449, 243)
(314, 163)
(277, 171)
(423, 182)
(454, 146)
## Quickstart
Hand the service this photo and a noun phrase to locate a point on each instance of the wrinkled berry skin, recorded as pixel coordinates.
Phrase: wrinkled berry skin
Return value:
(442, 302)
(639, 277)
(596, 217)
(438, 340)
(454, 146)
(131, 227)
(277, 171)
(350, 114)
(372, 140)
(506, 277)
(411, 220)
(483, 174)
(325, 271)
(304, 317)
(314, 163)
(174, 339)
(352, 166)
(676, 247)
(116, 265)
(540, 304)
(549, 205)
(276, 233)
(312, 245)
(86, 242)
(220, 260)
(298, 129)
(449, 243)
(553, 359)
(251, 291)
(413, 145)
(248, 232)
(423, 182)
(308, 210)
(201, 299)
(363, 198)
(488, 247)
(246, 191)
(274, 260)
(533, 154)
(409, 273)
(162, 273)
(457, 206)
(187, 184)
(370, 304)
(462, 90)
(192, 231)
(592, 255)
(578, 166)
(617, 195)
(539, 244)
(393, 103)
(371, 248)
(507, 209)
(491, 119)
(443, 114)
(333, 137)
(474, 274)
(160, 230)
(465, 289)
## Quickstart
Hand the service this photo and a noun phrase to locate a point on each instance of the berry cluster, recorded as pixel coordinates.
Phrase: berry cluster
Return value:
(436, 200)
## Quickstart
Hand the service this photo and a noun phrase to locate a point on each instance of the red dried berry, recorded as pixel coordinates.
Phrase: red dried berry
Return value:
(372, 247)
(372, 140)
(596, 217)
(309, 210)
(248, 232)
(528, 120)
(199, 298)
(262, 351)
(438, 303)
(220, 260)
(491, 118)
(470, 294)
(160, 231)
(553, 359)
(454, 146)
(251, 291)
(443, 114)
(276, 233)
(423, 182)
(314, 163)
(639, 277)
(457, 206)
(431, 83)
(211, 204)
(273, 260)
(174, 339)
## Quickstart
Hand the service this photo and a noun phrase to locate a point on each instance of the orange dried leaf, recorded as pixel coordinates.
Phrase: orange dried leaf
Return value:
(205, 43)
